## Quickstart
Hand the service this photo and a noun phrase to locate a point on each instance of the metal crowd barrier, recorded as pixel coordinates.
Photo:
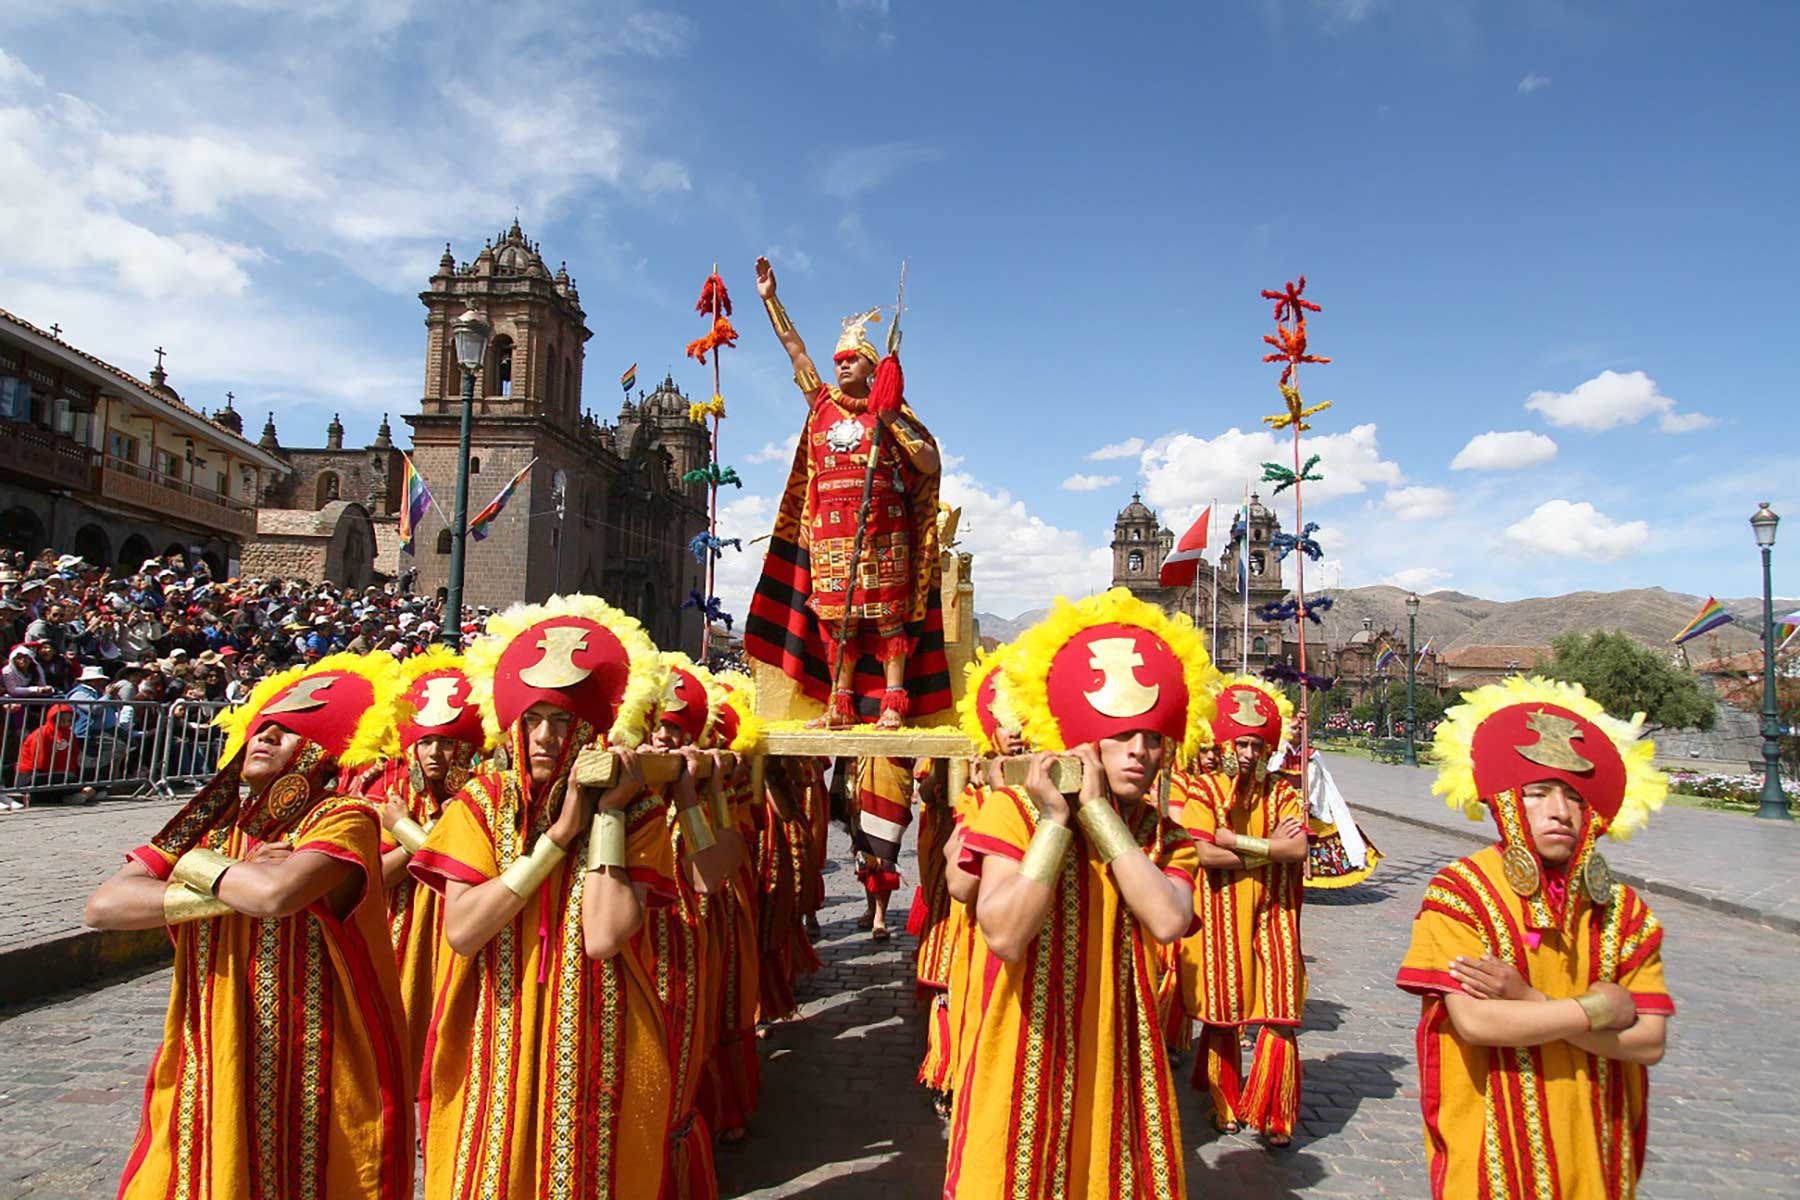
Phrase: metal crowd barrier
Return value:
(128, 748)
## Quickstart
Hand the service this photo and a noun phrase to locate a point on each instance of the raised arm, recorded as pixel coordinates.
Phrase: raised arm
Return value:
(806, 375)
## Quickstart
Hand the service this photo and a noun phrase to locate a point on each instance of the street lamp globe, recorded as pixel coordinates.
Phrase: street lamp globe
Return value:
(1412, 604)
(1764, 523)
(471, 331)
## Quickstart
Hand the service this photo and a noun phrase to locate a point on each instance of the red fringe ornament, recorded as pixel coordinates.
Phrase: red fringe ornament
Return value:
(715, 301)
(1288, 304)
(887, 393)
(1290, 347)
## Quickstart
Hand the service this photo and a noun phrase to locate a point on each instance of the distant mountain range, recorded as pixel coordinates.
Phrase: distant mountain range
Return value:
(1452, 619)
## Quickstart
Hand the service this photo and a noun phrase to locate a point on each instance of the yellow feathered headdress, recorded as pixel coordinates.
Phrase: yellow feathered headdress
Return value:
(1248, 706)
(687, 696)
(985, 705)
(738, 728)
(576, 652)
(1526, 729)
(1106, 666)
(345, 704)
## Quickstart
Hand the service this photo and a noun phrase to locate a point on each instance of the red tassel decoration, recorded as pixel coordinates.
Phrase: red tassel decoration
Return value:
(896, 701)
(887, 393)
(715, 301)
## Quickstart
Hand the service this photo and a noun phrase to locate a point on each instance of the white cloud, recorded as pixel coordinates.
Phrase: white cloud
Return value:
(1577, 530)
(1021, 561)
(1182, 469)
(781, 452)
(1088, 483)
(1129, 448)
(1610, 399)
(1509, 451)
(655, 34)
(1417, 579)
(14, 73)
(1533, 82)
(849, 173)
(1419, 503)
(743, 517)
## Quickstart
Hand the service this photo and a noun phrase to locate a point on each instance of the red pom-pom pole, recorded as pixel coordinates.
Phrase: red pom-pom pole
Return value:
(888, 391)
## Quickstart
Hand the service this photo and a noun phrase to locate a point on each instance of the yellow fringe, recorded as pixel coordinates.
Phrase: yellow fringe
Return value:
(974, 674)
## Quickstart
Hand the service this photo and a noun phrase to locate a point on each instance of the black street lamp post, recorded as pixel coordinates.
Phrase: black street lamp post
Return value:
(1774, 804)
(1412, 663)
(471, 335)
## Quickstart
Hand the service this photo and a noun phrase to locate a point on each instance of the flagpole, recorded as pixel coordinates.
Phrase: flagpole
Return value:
(1244, 574)
(712, 520)
(1213, 523)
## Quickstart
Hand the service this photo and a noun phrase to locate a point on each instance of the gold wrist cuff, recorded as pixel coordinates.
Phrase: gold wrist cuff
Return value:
(410, 834)
(201, 868)
(182, 904)
(528, 872)
(1251, 847)
(778, 315)
(1044, 854)
(1598, 1008)
(808, 382)
(606, 840)
(695, 830)
(721, 810)
(1105, 828)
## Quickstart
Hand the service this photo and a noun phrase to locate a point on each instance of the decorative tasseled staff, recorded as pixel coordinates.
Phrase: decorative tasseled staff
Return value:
(714, 302)
(1289, 342)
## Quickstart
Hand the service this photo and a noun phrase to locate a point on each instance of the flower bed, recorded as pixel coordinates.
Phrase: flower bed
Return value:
(1740, 792)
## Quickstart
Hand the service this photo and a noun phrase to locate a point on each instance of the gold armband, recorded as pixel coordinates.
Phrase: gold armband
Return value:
(1598, 1008)
(1045, 853)
(201, 869)
(1253, 862)
(694, 828)
(1105, 828)
(808, 381)
(778, 315)
(410, 834)
(528, 872)
(606, 840)
(1248, 847)
(182, 904)
(906, 435)
(721, 810)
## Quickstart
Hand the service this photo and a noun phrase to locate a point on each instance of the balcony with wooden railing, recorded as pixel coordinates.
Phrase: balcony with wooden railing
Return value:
(142, 487)
(46, 457)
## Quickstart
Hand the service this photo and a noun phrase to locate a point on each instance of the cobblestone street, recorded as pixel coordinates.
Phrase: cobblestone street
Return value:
(841, 1116)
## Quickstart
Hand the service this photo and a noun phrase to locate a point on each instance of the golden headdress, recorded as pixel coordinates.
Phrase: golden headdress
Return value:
(855, 338)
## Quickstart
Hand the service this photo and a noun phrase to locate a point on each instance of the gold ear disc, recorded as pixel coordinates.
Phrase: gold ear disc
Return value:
(1520, 867)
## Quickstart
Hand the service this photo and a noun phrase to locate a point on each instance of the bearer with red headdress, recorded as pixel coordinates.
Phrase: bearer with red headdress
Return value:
(1243, 966)
(547, 1057)
(1540, 975)
(440, 734)
(283, 1065)
(1065, 1088)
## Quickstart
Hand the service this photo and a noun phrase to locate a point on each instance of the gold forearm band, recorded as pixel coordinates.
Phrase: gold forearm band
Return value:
(201, 868)
(410, 834)
(606, 840)
(694, 828)
(1254, 862)
(1249, 847)
(1598, 1008)
(721, 810)
(778, 316)
(808, 382)
(1105, 828)
(182, 904)
(1044, 854)
(528, 872)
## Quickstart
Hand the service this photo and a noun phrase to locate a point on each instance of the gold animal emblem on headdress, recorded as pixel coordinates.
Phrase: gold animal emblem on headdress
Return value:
(302, 697)
(557, 668)
(440, 707)
(1247, 713)
(671, 697)
(1120, 694)
(1555, 745)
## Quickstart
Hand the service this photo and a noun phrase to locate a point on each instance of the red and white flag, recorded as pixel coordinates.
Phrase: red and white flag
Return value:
(1182, 565)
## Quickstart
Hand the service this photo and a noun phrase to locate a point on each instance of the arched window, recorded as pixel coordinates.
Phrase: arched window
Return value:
(1259, 646)
(1256, 562)
(500, 364)
(327, 488)
(1137, 535)
(1134, 562)
(443, 542)
(475, 464)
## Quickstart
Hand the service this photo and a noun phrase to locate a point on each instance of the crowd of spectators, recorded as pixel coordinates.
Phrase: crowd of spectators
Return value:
(167, 634)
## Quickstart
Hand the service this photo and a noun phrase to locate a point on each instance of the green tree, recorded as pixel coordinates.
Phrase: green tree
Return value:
(1627, 677)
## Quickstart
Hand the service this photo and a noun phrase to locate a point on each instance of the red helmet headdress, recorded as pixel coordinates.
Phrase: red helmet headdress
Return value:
(1251, 707)
(739, 729)
(1108, 666)
(344, 705)
(687, 697)
(985, 707)
(439, 700)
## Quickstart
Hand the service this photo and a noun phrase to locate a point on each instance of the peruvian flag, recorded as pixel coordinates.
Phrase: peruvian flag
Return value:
(1180, 568)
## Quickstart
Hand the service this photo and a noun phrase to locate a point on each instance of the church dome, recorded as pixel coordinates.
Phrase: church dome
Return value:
(1136, 511)
(667, 399)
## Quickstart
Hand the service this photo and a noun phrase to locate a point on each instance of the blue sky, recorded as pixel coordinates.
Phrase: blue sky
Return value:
(1560, 223)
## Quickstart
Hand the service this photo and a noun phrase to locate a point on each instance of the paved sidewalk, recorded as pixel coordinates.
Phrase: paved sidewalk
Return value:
(1727, 861)
(51, 857)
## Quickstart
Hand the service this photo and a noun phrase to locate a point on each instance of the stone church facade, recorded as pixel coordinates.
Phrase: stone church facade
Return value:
(1141, 543)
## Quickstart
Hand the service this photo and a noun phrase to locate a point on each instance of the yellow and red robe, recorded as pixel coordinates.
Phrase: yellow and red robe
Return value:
(415, 915)
(786, 883)
(1065, 1089)
(677, 937)
(929, 922)
(952, 1011)
(1550, 1122)
(282, 1073)
(733, 1080)
(548, 1070)
(1243, 966)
